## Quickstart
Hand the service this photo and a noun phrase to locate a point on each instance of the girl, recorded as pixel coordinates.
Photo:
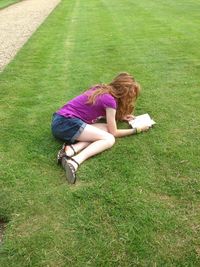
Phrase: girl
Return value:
(76, 122)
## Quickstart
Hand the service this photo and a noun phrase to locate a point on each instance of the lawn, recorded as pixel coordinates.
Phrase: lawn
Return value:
(5, 3)
(137, 204)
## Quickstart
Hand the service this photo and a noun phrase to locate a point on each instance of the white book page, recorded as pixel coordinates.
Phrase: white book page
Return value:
(142, 120)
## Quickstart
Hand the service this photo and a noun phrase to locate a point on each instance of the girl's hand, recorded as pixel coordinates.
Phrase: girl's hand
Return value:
(128, 117)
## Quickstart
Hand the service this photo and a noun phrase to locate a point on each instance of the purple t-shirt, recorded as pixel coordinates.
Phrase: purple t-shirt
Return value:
(79, 108)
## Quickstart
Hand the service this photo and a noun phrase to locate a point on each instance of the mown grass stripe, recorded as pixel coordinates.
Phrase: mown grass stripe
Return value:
(136, 204)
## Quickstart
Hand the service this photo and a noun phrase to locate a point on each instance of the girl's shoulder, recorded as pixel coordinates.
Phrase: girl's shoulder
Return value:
(108, 100)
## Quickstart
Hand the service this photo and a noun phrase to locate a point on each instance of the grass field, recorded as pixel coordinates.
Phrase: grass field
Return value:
(5, 3)
(136, 204)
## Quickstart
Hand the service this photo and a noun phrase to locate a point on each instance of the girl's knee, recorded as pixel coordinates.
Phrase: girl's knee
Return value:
(110, 139)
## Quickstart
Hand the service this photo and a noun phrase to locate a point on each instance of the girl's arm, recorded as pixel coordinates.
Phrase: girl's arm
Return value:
(112, 126)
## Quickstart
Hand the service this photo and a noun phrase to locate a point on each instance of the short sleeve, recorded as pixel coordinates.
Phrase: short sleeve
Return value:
(108, 101)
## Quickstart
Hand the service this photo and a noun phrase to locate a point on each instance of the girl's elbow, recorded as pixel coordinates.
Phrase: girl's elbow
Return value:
(113, 132)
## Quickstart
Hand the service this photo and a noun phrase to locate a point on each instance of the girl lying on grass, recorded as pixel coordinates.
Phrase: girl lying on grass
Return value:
(76, 122)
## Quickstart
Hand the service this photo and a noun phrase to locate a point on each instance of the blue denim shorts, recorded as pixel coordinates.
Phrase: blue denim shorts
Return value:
(67, 129)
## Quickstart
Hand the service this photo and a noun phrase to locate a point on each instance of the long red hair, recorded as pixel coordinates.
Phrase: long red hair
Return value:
(124, 89)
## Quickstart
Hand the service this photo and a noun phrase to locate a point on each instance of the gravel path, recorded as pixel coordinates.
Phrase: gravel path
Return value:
(17, 24)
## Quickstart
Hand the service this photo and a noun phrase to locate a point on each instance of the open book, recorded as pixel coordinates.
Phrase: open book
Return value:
(142, 120)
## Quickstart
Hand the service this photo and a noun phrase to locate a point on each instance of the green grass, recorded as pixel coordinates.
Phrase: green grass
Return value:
(136, 204)
(6, 3)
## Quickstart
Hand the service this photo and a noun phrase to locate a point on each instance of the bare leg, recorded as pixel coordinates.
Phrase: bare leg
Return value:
(81, 145)
(102, 126)
(77, 148)
(99, 140)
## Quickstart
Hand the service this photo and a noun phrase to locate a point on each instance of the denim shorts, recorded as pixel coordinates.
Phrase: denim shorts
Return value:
(67, 129)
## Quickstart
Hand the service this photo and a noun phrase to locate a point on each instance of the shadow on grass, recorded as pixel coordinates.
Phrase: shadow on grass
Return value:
(3, 224)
